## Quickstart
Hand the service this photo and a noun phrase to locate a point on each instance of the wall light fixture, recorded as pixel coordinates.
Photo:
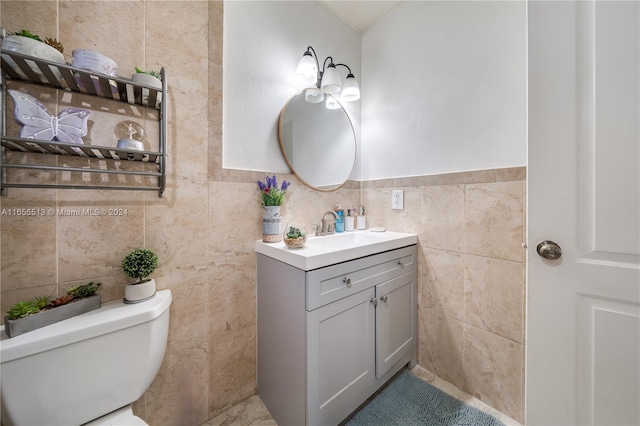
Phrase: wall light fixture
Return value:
(326, 80)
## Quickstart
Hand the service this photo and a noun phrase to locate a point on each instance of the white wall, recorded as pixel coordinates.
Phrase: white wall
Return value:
(263, 42)
(443, 89)
(443, 83)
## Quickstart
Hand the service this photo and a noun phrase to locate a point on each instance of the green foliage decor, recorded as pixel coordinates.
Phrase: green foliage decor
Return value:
(29, 34)
(42, 301)
(22, 309)
(294, 233)
(140, 264)
(84, 291)
(48, 41)
(155, 74)
(25, 308)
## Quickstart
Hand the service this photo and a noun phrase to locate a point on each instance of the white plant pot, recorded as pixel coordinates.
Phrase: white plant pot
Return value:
(31, 47)
(147, 80)
(136, 293)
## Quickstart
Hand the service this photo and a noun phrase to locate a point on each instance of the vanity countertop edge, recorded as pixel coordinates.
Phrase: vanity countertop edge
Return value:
(314, 256)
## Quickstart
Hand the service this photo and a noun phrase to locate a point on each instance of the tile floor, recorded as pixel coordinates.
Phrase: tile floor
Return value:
(252, 411)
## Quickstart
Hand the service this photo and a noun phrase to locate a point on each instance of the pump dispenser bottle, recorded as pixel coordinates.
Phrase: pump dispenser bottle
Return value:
(362, 219)
(349, 221)
(340, 219)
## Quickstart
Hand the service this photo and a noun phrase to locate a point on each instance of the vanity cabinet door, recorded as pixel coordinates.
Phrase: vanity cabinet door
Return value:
(396, 326)
(341, 357)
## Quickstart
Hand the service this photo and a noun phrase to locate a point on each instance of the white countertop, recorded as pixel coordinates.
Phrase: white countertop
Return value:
(340, 247)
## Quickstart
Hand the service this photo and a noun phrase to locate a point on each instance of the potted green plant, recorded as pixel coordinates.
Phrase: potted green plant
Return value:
(27, 43)
(148, 78)
(139, 264)
(28, 315)
(151, 79)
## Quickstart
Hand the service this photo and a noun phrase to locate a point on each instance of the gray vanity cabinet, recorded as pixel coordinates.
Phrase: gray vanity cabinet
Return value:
(330, 337)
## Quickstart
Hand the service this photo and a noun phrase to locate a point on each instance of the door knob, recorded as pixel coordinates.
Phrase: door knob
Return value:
(549, 250)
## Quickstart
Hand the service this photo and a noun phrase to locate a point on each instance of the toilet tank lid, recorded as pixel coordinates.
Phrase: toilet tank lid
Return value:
(110, 317)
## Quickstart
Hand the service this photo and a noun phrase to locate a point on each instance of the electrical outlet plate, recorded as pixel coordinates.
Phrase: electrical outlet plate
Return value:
(397, 199)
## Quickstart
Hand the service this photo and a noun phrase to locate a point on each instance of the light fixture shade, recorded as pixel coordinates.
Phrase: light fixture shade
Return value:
(350, 89)
(332, 102)
(313, 95)
(331, 80)
(307, 66)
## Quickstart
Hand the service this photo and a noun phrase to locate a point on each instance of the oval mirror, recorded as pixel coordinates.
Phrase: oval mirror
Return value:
(318, 143)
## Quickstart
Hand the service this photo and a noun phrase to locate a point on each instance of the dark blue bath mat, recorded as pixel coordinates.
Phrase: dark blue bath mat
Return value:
(409, 401)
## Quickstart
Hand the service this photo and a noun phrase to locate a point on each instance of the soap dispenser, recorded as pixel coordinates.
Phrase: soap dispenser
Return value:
(340, 218)
(349, 221)
(362, 219)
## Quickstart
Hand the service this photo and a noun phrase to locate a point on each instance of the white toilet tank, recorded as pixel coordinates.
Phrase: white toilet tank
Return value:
(77, 370)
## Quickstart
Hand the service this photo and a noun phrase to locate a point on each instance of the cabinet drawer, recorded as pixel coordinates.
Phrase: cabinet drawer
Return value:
(326, 285)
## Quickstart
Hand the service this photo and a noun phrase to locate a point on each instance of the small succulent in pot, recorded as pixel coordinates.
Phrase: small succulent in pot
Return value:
(153, 81)
(155, 74)
(48, 41)
(27, 43)
(147, 78)
(140, 264)
(295, 236)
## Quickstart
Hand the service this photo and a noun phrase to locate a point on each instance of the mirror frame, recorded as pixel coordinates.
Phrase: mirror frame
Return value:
(286, 158)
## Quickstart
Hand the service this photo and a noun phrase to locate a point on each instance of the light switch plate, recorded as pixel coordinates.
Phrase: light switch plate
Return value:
(397, 199)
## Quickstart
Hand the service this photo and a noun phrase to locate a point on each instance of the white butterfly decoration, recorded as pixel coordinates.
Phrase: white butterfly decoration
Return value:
(69, 126)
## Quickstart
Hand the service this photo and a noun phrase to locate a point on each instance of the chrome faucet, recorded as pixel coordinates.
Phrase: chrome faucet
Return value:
(326, 224)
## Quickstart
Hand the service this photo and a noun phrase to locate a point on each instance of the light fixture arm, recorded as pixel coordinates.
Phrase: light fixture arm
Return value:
(328, 79)
(347, 67)
(315, 56)
(309, 48)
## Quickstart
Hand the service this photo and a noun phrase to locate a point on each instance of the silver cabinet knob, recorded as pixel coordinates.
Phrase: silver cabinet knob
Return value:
(384, 299)
(549, 250)
(401, 263)
(347, 281)
(374, 301)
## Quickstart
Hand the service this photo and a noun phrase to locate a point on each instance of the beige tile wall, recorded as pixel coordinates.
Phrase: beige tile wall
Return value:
(203, 228)
(470, 224)
(471, 276)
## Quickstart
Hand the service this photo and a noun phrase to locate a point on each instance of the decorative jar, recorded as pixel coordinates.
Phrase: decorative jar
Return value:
(271, 224)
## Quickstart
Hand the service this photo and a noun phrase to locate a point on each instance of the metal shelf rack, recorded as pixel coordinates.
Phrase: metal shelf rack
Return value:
(16, 66)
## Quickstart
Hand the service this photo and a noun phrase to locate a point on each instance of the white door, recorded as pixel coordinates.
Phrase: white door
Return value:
(583, 319)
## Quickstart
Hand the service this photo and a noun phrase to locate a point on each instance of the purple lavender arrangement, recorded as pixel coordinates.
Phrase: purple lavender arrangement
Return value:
(271, 194)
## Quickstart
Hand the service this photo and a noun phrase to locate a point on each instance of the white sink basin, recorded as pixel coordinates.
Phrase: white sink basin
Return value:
(336, 248)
